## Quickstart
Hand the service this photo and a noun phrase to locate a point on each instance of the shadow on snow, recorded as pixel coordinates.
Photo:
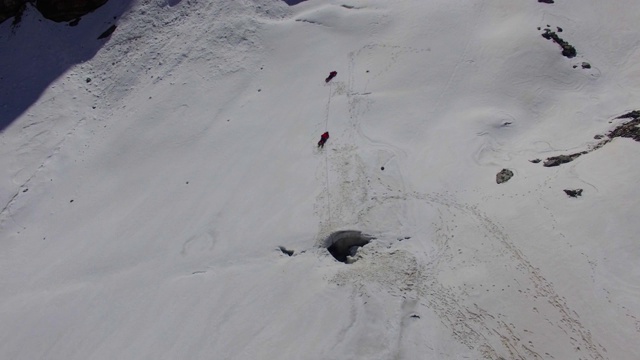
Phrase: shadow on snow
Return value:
(37, 51)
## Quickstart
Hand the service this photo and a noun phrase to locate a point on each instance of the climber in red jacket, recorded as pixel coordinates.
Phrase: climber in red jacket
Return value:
(323, 139)
(331, 76)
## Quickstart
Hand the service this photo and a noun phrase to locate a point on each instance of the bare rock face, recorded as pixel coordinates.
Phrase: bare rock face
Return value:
(56, 10)
(11, 8)
(562, 159)
(573, 193)
(66, 10)
(503, 176)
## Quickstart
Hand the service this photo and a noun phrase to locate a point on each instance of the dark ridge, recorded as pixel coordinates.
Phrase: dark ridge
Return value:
(635, 114)
(629, 129)
(67, 10)
(9, 9)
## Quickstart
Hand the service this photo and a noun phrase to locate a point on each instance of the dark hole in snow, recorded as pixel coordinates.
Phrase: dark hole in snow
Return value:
(293, 2)
(345, 243)
(286, 251)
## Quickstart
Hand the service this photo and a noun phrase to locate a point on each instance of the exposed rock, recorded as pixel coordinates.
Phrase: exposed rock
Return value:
(573, 193)
(535, 161)
(504, 175)
(635, 114)
(11, 8)
(56, 10)
(567, 50)
(546, 1)
(630, 129)
(561, 159)
(67, 10)
(586, 65)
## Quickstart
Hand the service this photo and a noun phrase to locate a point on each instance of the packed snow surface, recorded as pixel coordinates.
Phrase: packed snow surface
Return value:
(150, 181)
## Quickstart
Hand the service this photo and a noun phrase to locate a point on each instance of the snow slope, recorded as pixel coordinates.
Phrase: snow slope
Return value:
(142, 210)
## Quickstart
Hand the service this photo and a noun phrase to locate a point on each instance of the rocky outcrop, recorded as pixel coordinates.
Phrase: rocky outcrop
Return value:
(56, 10)
(11, 8)
(567, 49)
(630, 129)
(67, 10)
(561, 159)
(503, 176)
(573, 193)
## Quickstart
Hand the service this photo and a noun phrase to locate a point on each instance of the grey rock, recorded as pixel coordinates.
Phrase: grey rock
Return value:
(573, 193)
(561, 159)
(504, 175)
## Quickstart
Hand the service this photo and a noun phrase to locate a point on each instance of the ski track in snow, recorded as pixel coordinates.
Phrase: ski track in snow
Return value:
(419, 285)
(448, 276)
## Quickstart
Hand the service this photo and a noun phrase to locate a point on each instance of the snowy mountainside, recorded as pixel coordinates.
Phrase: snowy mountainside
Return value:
(147, 189)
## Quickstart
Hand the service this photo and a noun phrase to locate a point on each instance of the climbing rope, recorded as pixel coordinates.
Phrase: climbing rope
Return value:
(326, 157)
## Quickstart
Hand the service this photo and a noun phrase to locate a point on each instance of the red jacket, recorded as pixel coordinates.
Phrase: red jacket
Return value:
(331, 76)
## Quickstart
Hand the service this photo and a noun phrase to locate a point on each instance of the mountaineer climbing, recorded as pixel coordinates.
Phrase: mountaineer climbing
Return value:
(323, 139)
(331, 76)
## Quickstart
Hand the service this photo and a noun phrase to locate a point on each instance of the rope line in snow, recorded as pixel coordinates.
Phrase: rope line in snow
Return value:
(326, 157)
